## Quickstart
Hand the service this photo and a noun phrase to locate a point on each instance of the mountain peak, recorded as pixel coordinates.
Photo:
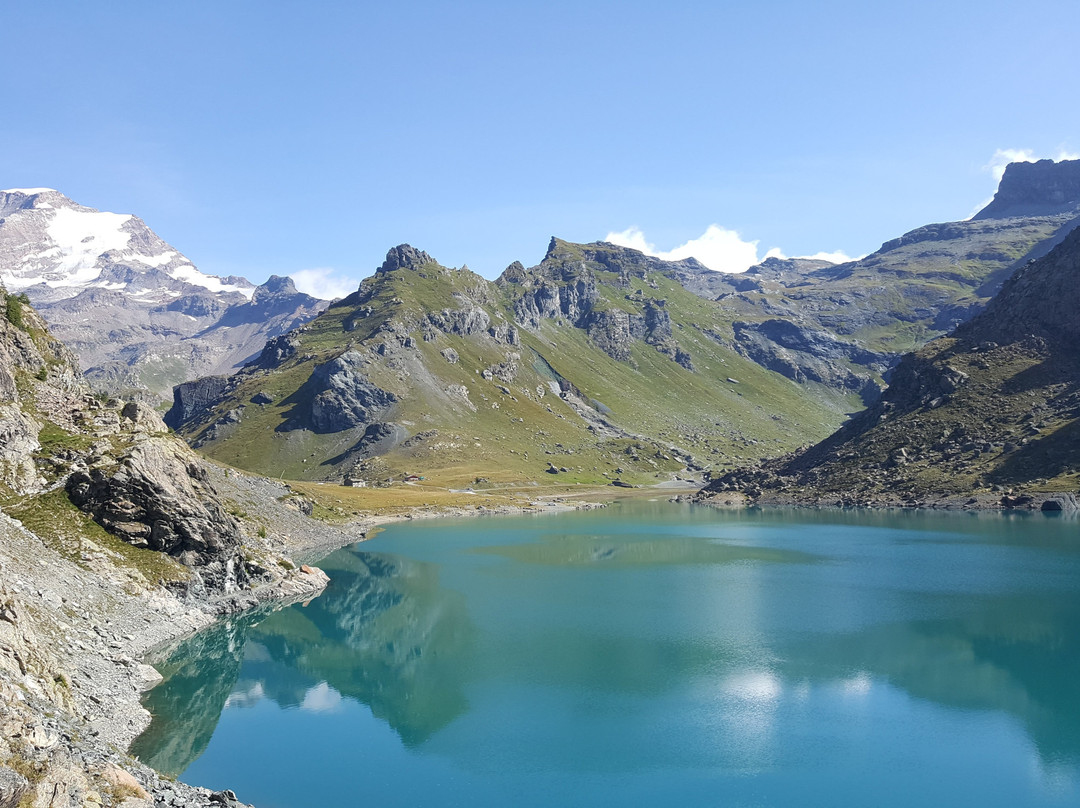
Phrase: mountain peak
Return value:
(405, 256)
(275, 285)
(1035, 189)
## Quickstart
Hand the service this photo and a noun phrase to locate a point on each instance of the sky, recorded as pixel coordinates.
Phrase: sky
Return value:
(307, 139)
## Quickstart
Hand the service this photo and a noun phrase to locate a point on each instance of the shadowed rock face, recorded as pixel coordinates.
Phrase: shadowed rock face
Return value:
(193, 399)
(344, 397)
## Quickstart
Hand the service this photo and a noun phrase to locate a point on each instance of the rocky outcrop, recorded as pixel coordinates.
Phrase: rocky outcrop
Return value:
(39, 383)
(460, 322)
(276, 351)
(1036, 189)
(573, 300)
(342, 397)
(192, 400)
(807, 354)
(405, 256)
(158, 496)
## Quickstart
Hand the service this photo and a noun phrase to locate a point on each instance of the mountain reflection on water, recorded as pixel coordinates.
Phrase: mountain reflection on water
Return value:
(383, 633)
(672, 640)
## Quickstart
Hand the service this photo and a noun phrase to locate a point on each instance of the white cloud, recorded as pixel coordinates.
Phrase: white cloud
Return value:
(835, 257)
(324, 283)
(717, 248)
(321, 699)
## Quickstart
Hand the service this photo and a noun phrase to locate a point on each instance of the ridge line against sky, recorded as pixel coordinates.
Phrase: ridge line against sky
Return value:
(264, 138)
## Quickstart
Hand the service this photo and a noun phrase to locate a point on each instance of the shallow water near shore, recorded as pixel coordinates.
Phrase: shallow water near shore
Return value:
(651, 653)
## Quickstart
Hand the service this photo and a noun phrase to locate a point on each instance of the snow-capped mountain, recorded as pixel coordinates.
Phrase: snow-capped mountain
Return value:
(136, 310)
(50, 242)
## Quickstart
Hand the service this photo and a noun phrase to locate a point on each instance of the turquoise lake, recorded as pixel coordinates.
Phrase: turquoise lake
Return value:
(649, 654)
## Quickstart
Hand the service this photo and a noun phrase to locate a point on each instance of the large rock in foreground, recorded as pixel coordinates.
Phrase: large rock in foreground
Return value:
(158, 496)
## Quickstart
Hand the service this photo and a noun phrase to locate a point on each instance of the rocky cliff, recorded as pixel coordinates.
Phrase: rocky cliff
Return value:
(991, 411)
(114, 536)
(138, 313)
(1036, 189)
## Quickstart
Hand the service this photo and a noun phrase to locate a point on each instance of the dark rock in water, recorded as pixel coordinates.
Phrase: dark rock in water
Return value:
(159, 496)
(191, 400)
(1062, 503)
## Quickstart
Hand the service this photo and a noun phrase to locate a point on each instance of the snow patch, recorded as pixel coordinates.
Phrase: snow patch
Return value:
(82, 237)
(154, 260)
(189, 274)
(29, 191)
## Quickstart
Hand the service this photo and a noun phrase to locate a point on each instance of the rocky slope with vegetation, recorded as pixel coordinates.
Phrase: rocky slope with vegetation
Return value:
(592, 367)
(989, 415)
(114, 537)
(601, 364)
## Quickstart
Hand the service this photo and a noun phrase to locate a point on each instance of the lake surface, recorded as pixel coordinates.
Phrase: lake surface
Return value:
(651, 654)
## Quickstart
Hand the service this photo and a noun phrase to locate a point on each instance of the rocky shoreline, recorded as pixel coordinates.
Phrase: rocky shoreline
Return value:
(1026, 502)
(74, 629)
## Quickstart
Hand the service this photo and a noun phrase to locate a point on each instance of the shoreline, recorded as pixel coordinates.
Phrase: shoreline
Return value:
(1030, 502)
(74, 633)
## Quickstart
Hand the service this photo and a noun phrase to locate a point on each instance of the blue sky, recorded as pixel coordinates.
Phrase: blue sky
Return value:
(271, 137)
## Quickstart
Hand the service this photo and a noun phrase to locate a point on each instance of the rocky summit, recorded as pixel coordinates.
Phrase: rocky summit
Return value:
(139, 315)
(989, 415)
(1036, 189)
